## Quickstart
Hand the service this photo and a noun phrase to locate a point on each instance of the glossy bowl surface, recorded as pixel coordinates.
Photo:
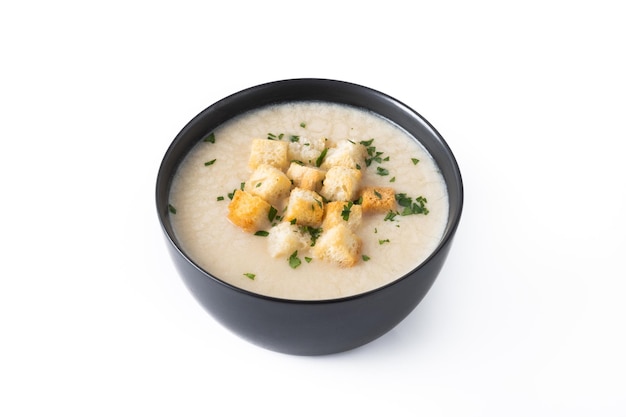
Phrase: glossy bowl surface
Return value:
(310, 327)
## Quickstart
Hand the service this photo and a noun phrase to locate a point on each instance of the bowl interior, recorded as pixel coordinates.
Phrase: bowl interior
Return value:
(311, 90)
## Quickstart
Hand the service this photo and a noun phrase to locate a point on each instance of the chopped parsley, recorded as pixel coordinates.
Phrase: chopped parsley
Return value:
(302, 124)
(294, 138)
(271, 215)
(249, 275)
(307, 259)
(415, 161)
(209, 138)
(391, 215)
(320, 159)
(211, 162)
(294, 261)
(220, 198)
(262, 233)
(345, 213)
(314, 232)
(412, 207)
(272, 136)
(381, 241)
(171, 209)
(382, 171)
(365, 258)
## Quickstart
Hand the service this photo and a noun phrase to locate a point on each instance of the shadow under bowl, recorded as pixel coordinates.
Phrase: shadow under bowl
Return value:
(310, 327)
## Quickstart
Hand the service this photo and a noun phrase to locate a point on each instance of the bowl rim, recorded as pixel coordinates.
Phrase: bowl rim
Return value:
(451, 225)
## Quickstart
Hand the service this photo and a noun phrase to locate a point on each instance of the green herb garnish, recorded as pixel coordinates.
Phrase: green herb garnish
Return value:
(412, 207)
(415, 161)
(403, 200)
(209, 138)
(171, 209)
(345, 213)
(391, 215)
(294, 261)
(220, 198)
(249, 275)
(365, 258)
(271, 215)
(302, 124)
(320, 159)
(206, 164)
(261, 233)
(381, 241)
(382, 171)
(313, 232)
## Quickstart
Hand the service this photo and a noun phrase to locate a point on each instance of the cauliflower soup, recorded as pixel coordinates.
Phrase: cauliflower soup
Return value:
(308, 201)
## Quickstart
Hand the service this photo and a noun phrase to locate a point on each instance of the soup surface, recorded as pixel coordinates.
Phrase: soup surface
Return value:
(392, 244)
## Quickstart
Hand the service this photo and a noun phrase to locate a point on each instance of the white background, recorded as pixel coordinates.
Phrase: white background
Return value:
(527, 317)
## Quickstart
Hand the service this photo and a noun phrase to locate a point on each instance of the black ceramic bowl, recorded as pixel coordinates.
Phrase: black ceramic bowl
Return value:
(310, 327)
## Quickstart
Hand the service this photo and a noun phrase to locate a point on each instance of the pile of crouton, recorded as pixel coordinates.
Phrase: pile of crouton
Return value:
(308, 197)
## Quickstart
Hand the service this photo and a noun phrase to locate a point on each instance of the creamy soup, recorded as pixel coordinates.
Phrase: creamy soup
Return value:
(392, 244)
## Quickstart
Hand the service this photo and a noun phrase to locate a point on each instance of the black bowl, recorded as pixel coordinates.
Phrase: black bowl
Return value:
(310, 327)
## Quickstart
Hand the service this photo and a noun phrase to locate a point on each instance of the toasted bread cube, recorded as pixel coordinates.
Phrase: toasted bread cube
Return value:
(269, 183)
(285, 238)
(378, 199)
(344, 212)
(271, 152)
(347, 154)
(341, 183)
(305, 207)
(313, 179)
(306, 177)
(338, 245)
(247, 211)
(306, 150)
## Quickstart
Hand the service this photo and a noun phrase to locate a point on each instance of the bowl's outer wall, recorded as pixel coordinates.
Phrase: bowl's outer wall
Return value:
(310, 328)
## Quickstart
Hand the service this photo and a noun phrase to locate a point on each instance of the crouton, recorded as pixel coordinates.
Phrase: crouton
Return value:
(306, 177)
(285, 238)
(305, 207)
(271, 152)
(338, 245)
(306, 150)
(347, 154)
(247, 211)
(341, 184)
(344, 212)
(378, 199)
(269, 183)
